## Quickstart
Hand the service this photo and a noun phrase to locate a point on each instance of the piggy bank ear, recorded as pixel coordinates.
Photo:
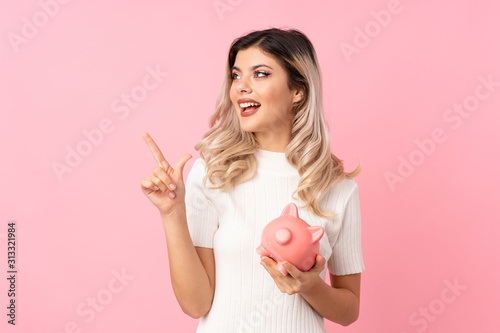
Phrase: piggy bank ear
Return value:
(290, 209)
(317, 233)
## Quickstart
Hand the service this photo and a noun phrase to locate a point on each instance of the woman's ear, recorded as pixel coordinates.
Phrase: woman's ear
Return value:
(298, 95)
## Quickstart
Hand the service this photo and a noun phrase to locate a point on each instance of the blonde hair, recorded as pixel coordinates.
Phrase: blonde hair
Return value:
(229, 152)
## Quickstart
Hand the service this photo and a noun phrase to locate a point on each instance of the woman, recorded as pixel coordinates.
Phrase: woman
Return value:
(268, 141)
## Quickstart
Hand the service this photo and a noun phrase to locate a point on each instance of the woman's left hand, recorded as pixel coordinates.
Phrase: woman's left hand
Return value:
(295, 281)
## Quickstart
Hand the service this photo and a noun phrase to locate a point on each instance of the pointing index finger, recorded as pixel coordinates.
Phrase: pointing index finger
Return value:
(154, 149)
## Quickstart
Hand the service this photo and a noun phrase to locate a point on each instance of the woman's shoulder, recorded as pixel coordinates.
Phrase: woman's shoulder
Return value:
(199, 165)
(197, 171)
(346, 184)
(344, 189)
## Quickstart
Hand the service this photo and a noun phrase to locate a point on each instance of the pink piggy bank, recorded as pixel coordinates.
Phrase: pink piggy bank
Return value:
(289, 238)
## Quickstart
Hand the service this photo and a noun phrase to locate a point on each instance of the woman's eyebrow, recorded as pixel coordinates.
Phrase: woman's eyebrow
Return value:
(251, 68)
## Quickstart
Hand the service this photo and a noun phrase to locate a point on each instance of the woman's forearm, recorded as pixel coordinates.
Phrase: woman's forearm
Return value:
(189, 279)
(339, 305)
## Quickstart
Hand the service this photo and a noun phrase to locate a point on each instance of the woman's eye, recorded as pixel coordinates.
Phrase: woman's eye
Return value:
(265, 74)
(262, 74)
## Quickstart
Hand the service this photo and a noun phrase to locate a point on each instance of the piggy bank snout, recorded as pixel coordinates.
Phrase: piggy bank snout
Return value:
(283, 236)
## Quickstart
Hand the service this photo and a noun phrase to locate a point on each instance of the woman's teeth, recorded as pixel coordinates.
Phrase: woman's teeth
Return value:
(245, 105)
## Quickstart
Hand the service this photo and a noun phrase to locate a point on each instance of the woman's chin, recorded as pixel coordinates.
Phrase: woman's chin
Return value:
(247, 127)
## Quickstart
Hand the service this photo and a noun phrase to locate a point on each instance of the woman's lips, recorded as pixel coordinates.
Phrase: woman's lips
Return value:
(252, 110)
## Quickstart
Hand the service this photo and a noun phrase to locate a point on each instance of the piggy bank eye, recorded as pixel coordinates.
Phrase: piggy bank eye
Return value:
(283, 236)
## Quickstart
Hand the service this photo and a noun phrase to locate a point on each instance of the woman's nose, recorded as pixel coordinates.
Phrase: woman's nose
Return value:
(242, 85)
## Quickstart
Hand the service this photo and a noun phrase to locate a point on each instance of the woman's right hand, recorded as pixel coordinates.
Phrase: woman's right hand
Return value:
(156, 185)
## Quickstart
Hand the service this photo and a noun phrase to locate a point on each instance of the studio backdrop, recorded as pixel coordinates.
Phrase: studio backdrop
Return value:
(411, 88)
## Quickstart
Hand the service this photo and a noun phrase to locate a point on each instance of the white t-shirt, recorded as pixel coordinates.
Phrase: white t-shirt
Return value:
(246, 297)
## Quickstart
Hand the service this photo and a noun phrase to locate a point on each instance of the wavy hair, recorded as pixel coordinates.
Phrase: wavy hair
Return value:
(228, 151)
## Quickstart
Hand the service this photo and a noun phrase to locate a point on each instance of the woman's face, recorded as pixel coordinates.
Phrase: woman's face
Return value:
(260, 78)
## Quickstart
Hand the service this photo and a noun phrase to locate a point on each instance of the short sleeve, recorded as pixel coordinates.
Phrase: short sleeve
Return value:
(201, 215)
(346, 255)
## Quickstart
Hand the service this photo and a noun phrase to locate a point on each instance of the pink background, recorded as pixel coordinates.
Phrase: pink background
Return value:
(436, 227)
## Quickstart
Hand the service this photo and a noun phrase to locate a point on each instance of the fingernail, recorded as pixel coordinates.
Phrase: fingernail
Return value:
(156, 188)
(171, 194)
(172, 186)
